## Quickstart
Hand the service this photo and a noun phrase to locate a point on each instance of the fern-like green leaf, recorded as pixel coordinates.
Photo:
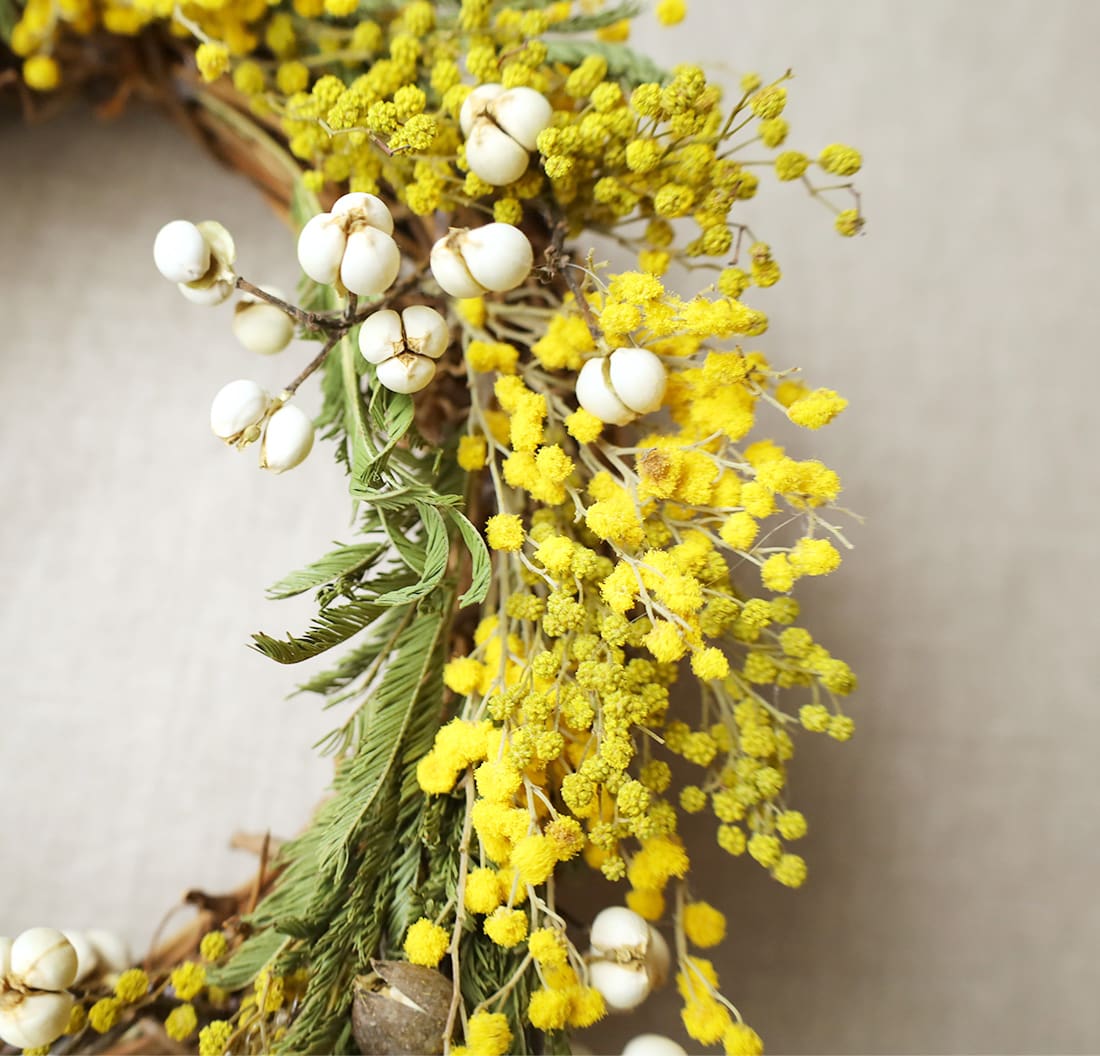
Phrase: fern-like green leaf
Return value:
(342, 563)
(332, 626)
(481, 566)
(623, 62)
(599, 19)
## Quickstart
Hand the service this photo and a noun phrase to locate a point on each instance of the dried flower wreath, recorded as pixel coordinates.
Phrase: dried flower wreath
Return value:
(562, 511)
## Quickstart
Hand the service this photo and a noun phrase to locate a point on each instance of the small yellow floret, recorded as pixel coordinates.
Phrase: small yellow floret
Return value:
(488, 1034)
(583, 427)
(188, 980)
(504, 531)
(41, 73)
(671, 12)
(483, 891)
(212, 60)
(181, 1022)
(472, 453)
(132, 985)
(703, 924)
(742, 1040)
(506, 927)
(816, 409)
(426, 943)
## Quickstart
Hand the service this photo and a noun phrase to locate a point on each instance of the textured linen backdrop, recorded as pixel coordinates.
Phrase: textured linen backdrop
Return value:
(954, 843)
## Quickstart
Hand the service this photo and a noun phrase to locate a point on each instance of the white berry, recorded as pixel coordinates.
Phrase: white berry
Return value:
(595, 395)
(426, 331)
(469, 262)
(262, 327)
(111, 950)
(638, 378)
(620, 387)
(523, 113)
(43, 959)
(238, 408)
(618, 928)
(371, 262)
(494, 155)
(321, 248)
(86, 959)
(653, 1045)
(624, 986)
(406, 374)
(658, 959)
(31, 1020)
(287, 440)
(180, 252)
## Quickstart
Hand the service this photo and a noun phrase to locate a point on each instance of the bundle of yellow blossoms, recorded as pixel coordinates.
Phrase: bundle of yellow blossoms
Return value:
(570, 505)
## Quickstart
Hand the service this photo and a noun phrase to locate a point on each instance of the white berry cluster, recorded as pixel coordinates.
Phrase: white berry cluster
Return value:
(493, 258)
(404, 347)
(352, 246)
(622, 386)
(243, 411)
(501, 126)
(628, 958)
(199, 258)
(36, 970)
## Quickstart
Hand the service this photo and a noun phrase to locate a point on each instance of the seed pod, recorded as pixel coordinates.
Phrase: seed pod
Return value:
(620, 387)
(403, 347)
(30, 1020)
(86, 959)
(358, 206)
(180, 252)
(287, 440)
(110, 948)
(43, 959)
(261, 327)
(653, 1045)
(400, 1009)
(321, 248)
(469, 262)
(371, 262)
(501, 128)
(237, 408)
(498, 256)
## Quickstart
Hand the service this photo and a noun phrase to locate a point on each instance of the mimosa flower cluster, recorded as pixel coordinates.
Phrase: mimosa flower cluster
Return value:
(636, 502)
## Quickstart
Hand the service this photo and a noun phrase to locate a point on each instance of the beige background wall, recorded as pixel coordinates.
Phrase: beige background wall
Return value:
(954, 849)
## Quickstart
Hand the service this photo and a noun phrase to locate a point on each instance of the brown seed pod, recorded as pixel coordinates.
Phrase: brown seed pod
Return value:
(400, 1009)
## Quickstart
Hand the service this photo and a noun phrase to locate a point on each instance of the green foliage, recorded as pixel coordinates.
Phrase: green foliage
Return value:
(341, 569)
(377, 851)
(623, 62)
(598, 19)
